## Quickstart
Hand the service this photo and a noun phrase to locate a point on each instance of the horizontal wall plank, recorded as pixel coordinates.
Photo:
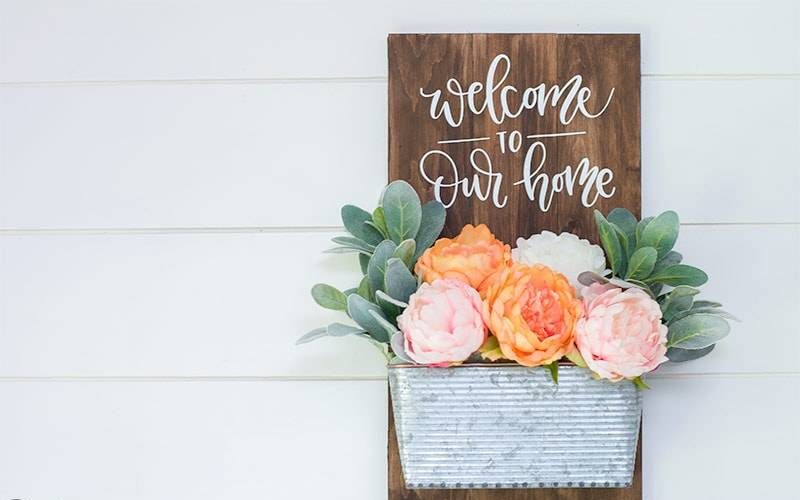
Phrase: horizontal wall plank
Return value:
(233, 304)
(720, 438)
(201, 304)
(210, 440)
(291, 154)
(714, 155)
(188, 155)
(199, 440)
(94, 40)
(750, 272)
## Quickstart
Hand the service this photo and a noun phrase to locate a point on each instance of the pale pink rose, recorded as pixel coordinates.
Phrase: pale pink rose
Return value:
(621, 334)
(443, 323)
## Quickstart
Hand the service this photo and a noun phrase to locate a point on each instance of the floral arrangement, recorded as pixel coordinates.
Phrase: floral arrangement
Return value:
(445, 301)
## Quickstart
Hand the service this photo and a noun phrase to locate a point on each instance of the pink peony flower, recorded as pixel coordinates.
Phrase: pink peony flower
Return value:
(621, 334)
(443, 323)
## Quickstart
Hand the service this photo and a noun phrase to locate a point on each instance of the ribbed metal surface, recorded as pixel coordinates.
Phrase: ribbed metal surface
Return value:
(509, 426)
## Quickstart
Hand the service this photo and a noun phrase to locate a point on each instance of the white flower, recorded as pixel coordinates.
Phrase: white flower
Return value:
(563, 253)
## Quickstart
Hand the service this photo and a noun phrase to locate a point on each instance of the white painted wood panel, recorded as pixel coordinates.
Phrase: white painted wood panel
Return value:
(232, 304)
(96, 40)
(198, 440)
(172, 304)
(752, 270)
(721, 438)
(304, 440)
(128, 156)
(722, 150)
(189, 155)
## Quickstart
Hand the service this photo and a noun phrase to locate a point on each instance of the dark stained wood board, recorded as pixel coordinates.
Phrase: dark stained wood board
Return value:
(610, 141)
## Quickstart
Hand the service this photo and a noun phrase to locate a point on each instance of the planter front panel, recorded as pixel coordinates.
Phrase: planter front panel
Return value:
(512, 427)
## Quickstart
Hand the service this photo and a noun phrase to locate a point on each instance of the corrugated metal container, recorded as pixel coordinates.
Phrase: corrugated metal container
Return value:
(509, 426)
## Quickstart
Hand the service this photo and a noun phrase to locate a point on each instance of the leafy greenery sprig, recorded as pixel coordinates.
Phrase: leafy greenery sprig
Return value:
(388, 242)
(640, 255)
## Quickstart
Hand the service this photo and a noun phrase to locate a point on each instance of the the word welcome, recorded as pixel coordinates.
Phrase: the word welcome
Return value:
(479, 97)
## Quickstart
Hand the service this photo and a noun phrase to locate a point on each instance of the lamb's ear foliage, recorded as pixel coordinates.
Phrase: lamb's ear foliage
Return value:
(388, 241)
(640, 254)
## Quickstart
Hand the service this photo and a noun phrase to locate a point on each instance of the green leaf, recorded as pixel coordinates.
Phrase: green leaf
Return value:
(397, 343)
(363, 262)
(705, 310)
(402, 210)
(388, 327)
(329, 297)
(553, 369)
(679, 274)
(610, 242)
(640, 228)
(391, 308)
(340, 330)
(697, 331)
(641, 263)
(332, 330)
(670, 259)
(338, 250)
(355, 219)
(678, 300)
(626, 222)
(678, 355)
(576, 357)
(706, 303)
(377, 264)
(433, 218)
(587, 278)
(640, 284)
(661, 233)
(398, 280)
(655, 289)
(379, 221)
(405, 252)
(490, 350)
(386, 298)
(354, 244)
(316, 333)
(624, 243)
(359, 309)
(639, 383)
(364, 289)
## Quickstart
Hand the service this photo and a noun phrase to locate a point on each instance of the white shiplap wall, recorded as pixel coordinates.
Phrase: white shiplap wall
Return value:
(170, 172)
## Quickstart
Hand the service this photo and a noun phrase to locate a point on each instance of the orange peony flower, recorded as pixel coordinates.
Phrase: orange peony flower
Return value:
(532, 311)
(472, 257)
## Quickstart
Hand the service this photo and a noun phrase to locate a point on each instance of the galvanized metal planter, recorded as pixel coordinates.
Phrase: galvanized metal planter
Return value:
(508, 426)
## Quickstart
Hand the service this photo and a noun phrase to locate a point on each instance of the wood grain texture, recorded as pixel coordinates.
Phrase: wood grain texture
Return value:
(611, 140)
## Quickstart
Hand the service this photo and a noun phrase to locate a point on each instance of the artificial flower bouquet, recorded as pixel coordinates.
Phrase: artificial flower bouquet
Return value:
(442, 302)
(463, 321)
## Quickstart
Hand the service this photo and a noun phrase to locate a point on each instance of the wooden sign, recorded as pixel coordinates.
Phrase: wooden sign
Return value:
(523, 132)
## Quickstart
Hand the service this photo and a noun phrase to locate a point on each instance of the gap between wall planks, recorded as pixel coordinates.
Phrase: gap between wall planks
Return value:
(604, 61)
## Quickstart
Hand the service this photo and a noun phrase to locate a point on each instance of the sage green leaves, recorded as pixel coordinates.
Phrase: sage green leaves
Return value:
(388, 241)
(329, 297)
(640, 254)
(401, 218)
(402, 210)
